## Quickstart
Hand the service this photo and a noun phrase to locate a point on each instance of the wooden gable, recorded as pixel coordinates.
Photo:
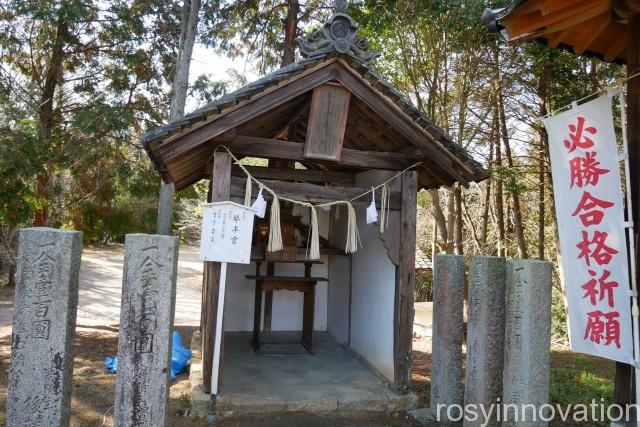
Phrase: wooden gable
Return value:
(327, 117)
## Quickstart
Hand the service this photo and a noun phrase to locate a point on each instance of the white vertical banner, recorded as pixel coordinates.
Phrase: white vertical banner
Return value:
(590, 212)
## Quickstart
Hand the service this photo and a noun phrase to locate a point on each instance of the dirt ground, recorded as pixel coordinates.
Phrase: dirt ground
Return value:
(97, 337)
(94, 390)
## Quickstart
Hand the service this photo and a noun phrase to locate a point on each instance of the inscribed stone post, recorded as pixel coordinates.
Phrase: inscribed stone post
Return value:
(448, 319)
(528, 339)
(44, 322)
(485, 334)
(146, 323)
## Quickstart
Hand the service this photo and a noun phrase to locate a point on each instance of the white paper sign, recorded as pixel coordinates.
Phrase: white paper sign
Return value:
(227, 229)
(588, 196)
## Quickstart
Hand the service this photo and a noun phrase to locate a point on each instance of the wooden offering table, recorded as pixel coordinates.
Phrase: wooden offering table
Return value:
(271, 282)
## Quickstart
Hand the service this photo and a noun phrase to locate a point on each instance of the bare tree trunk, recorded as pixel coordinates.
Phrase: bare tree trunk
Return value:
(438, 217)
(290, 32)
(518, 227)
(459, 249)
(46, 117)
(541, 206)
(487, 206)
(188, 31)
(543, 93)
(471, 226)
(434, 238)
(498, 193)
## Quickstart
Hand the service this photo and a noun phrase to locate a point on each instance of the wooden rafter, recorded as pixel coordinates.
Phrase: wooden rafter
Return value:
(262, 103)
(592, 31)
(571, 13)
(616, 47)
(412, 131)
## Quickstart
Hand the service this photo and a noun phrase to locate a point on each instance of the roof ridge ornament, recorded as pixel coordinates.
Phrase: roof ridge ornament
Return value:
(338, 34)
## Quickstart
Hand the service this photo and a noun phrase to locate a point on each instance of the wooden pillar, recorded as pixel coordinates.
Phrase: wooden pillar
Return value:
(405, 283)
(220, 190)
(624, 384)
(165, 209)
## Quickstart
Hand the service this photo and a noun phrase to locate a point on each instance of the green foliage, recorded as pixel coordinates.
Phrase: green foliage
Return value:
(424, 286)
(512, 178)
(559, 329)
(67, 139)
(580, 379)
(20, 157)
(254, 29)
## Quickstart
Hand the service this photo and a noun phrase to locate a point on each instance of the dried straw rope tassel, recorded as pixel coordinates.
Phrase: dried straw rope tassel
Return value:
(275, 233)
(384, 208)
(314, 252)
(353, 238)
(247, 192)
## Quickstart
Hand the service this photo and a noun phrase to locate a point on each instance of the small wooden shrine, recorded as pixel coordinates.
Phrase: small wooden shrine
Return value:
(330, 128)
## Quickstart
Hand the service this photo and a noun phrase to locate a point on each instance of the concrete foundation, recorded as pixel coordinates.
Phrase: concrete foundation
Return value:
(332, 379)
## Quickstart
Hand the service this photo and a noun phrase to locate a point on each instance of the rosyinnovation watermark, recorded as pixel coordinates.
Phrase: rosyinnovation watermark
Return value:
(527, 412)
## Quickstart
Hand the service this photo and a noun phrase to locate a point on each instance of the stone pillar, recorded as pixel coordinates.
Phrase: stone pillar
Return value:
(44, 322)
(485, 334)
(146, 324)
(448, 329)
(528, 338)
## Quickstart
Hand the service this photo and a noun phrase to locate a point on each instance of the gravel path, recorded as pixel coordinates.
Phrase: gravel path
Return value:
(101, 284)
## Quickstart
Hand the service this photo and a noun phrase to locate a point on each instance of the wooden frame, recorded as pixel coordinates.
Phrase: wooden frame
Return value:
(405, 284)
(276, 149)
(183, 156)
(313, 193)
(220, 189)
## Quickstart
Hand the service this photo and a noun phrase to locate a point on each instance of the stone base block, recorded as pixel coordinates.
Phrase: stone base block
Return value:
(201, 404)
(424, 417)
(401, 402)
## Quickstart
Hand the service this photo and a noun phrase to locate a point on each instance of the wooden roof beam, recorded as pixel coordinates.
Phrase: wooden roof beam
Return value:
(314, 193)
(286, 150)
(345, 179)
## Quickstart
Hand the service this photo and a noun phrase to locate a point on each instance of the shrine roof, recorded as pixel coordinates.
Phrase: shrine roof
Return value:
(270, 118)
(170, 134)
(595, 28)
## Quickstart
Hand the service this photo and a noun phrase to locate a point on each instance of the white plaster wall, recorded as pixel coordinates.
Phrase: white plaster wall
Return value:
(338, 296)
(287, 305)
(373, 291)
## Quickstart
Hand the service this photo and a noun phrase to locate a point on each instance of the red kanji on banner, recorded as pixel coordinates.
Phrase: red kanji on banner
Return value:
(595, 248)
(588, 203)
(585, 170)
(576, 138)
(606, 288)
(603, 326)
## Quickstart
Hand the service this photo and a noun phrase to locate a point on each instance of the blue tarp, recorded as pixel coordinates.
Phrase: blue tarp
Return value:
(180, 356)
